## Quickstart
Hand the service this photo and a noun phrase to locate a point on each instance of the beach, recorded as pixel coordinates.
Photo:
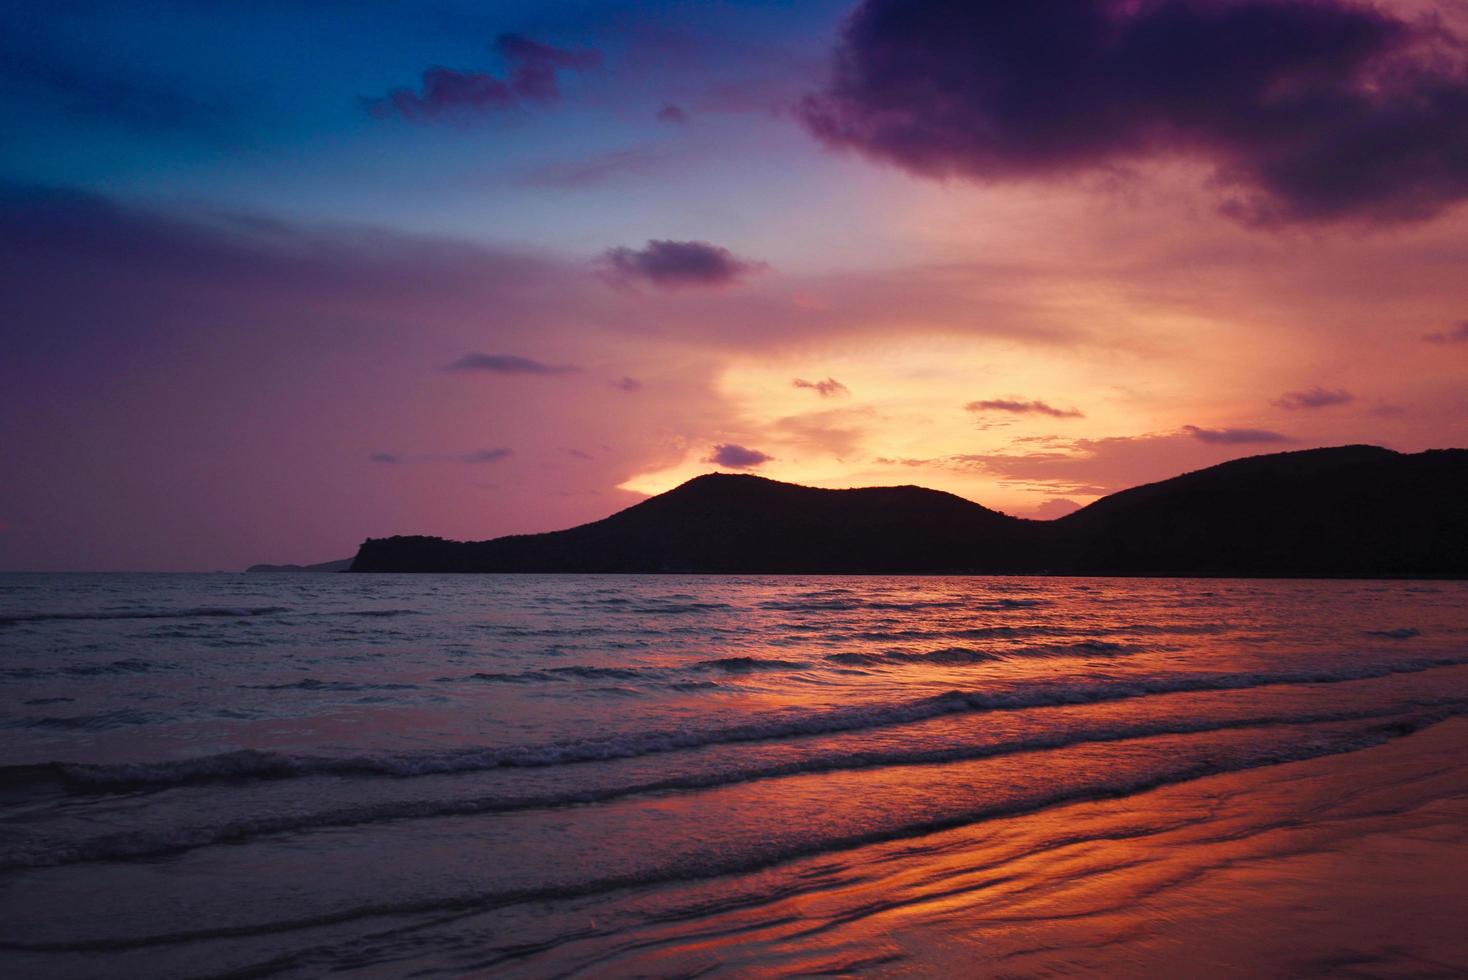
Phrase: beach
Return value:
(287, 775)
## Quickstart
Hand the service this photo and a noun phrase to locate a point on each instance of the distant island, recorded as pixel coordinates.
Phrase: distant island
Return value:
(340, 565)
(1360, 511)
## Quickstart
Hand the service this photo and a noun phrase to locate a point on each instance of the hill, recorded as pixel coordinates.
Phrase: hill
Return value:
(1350, 510)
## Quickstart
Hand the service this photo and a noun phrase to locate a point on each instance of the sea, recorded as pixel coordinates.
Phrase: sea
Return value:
(566, 775)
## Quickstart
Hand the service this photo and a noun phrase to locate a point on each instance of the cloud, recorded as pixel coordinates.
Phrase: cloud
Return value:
(599, 167)
(1091, 467)
(1020, 407)
(1054, 507)
(674, 114)
(508, 364)
(1457, 335)
(840, 432)
(737, 457)
(532, 77)
(1234, 437)
(1316, 397)
(627, 383)
(672, 264)
(488, 455)
(1307, 111)
(828, 388)
(477, 456)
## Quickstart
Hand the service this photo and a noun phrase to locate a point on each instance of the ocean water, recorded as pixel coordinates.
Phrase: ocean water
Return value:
(658, 775)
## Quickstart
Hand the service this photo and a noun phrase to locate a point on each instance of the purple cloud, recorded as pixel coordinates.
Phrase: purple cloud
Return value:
(488, 455)
(1309, 112)
(1457, 335)
(600, 167)
(627, 383)
(1234, 436)
(737, 457)
(1018, 407)
(508, 364)
(828, 388)
(385, 458)
(1316, 397)
(532, 78)
(671, 264)
(674, 114)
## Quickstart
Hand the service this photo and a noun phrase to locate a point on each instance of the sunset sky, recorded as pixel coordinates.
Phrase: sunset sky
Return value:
(277, 276)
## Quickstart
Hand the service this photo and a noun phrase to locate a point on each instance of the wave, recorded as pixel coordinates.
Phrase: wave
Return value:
(749, 665)
(726, 862)
(129, 845)
(821, 604)
(678, 608)
(580, 671)
(126, 666)
(370, 613)
(813, 605)
(100, 721)
(1010, 632)
(958, 656)
(197, 612)
(313, 684)
(1405, 633)
(258, 764)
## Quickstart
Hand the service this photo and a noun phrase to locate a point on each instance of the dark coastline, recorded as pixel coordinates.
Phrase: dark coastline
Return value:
(1346, 512)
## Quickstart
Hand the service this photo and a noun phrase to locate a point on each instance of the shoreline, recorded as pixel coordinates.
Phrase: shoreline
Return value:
(1318, 867)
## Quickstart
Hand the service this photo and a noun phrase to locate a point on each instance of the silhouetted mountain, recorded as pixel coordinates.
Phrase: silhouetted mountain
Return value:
(340, 565)
(1352, 510)
(728, 523)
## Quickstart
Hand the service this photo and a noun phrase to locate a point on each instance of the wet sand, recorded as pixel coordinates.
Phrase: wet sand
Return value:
(1349, 865)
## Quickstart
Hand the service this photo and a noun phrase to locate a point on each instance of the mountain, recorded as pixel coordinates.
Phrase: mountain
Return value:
(1351, 510)
(340, 565)
(736, 523)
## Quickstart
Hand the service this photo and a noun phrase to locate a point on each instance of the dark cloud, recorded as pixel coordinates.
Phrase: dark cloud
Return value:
(577, 453)
(1316, 397)
(1018, 406)
(828, 388)
(1308, 111)
(488, 455)
(627, 383)
(674, 114)
(1234, 437)
(1457, 335)
(508, 364)
(672, 264)
(737, 457)
(532, 78)
(478, 456)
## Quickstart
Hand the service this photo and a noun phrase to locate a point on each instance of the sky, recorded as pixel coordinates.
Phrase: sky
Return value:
(278, 276)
